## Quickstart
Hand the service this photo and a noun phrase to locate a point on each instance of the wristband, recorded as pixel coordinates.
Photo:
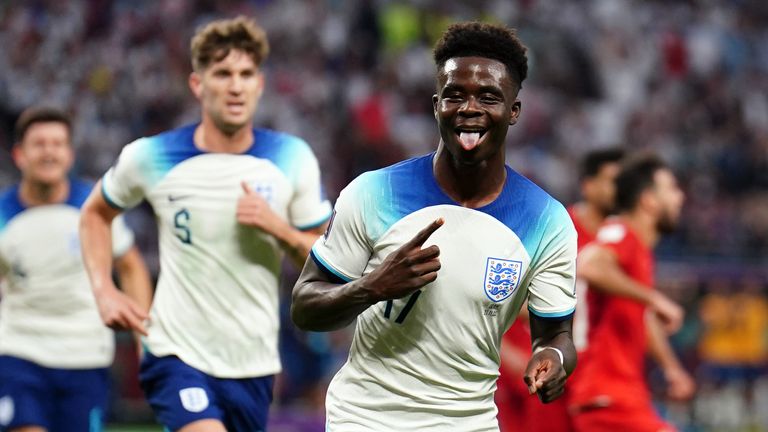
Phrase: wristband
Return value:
(559, 353)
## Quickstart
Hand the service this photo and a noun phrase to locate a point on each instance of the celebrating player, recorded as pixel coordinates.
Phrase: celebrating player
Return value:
(435, 255)
(229, 201)
(627, 317)
(54, 349)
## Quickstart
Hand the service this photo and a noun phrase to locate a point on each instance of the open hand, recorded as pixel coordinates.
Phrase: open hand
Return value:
(406, 269)
(120, 312)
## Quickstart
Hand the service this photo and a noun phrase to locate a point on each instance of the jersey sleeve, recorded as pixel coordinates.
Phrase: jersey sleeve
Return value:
(614, 238)
(123, 185)
(122, 237)
(551, 292)
(309, 208)
(345, 248)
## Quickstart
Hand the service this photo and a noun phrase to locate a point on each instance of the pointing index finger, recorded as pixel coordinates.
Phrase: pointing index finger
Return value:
(424, 234)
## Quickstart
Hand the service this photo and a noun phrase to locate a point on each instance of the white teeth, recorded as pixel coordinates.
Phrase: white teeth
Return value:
(469, 140)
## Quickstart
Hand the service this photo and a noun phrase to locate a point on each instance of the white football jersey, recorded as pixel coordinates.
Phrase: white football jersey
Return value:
(429, 361)
(48, 314)
(216, 303)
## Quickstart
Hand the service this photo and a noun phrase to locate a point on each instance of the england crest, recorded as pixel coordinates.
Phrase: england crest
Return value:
(502, 277)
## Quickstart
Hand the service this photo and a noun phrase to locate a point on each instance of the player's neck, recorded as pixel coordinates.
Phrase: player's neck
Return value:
(644, 227)
(589, 216)
(471, 186)
(211, 139)
(32, 193)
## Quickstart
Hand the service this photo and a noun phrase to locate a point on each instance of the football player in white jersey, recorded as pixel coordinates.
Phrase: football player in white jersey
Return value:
(435, 255)
(230, 201)
(54, 349)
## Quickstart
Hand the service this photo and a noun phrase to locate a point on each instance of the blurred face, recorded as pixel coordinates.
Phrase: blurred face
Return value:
(475, 104)
(44, 154)
(229, 91)
(600, 190)
(669, 198)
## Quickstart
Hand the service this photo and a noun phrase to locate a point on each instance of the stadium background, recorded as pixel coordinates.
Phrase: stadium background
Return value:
(688, 79)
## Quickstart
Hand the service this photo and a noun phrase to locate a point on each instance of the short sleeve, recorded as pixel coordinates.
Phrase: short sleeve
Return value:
(123, 185)
(345, 248)
(122, 237)
(308, 208)
(614, 238)
(551, 293)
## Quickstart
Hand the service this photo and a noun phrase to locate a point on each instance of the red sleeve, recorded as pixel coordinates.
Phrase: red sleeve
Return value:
(618, 239)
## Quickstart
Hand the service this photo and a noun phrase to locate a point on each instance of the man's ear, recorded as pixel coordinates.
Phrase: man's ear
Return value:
(196, 84)
(514, 113)
(18, 156)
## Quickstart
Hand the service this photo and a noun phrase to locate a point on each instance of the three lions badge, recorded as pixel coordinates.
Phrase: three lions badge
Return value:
(502, 277)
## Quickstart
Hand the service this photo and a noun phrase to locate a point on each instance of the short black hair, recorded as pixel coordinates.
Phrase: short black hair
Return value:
(474, 39)
(635, 177)
(594, 161)
(34, 115)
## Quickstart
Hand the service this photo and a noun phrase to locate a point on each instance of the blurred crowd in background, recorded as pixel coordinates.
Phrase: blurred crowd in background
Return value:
(686, 79)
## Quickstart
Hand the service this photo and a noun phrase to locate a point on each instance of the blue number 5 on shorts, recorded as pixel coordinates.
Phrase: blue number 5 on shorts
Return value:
(180, 394)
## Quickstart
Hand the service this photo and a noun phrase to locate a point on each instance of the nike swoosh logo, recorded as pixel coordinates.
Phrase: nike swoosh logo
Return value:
(172, 198)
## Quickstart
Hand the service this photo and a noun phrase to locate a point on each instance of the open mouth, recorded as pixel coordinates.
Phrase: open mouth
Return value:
(236, 106)
(470, 138)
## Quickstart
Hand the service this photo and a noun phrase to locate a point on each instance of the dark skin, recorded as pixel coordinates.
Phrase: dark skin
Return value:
(474, 95)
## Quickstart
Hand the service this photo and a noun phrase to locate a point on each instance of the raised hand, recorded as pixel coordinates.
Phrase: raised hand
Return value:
(406, 269)
(254, 211)
(120, 312)
(545, 375)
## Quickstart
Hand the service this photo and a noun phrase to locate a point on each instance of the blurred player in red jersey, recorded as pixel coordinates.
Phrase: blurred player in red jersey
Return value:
(627, 317)
(517, 411)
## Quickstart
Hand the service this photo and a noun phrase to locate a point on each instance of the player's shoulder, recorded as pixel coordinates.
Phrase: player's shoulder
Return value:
(160, 152)
(274, 137)
(173, 136)
(291, 154)
(534, 201)
(613, 232)
(171, 141)
(409, 174)
(10, 204)
(276, 145)
(79, 189)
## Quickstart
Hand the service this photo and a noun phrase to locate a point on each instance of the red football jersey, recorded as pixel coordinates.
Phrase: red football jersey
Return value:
(585, 236)
(612, 368)
(535, 416)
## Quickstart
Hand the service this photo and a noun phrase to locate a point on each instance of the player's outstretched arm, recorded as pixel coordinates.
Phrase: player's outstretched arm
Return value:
(319, 304)
(254, 211)
(598, 266)
(547, 371)
(680, 384)
(117, 310)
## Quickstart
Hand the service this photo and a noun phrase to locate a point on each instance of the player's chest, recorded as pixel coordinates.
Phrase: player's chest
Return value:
(640, 267)
(484, 265)
(204, 197)
(42, 241)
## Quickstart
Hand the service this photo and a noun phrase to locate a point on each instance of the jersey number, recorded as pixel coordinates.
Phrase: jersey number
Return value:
(180, 221)
(406, 309)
